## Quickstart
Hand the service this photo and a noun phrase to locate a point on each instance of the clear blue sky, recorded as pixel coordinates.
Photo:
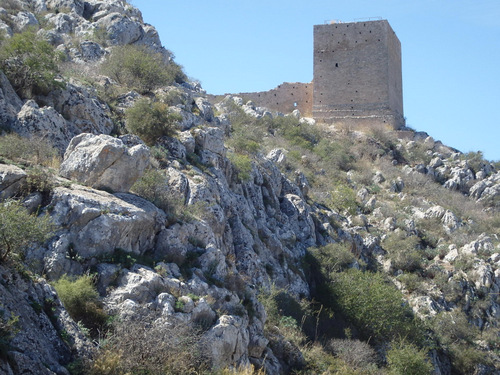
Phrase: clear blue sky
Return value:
(450, 49)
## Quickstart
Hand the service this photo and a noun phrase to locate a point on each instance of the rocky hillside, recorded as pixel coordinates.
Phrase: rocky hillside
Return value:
(144, 230)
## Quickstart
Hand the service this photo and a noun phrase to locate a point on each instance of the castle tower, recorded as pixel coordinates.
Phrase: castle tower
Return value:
(357, 75)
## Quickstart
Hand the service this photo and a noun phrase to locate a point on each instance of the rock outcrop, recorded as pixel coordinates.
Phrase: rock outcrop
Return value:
(104, 162)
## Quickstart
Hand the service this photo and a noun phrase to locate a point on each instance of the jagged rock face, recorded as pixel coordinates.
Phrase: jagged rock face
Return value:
(96, 223)
(44, 122)
(11, 179)
(104, 162)
(83, 111)
(10, 103)
(38, 346)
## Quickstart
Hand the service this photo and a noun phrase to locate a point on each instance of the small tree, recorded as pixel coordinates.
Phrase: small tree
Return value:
(150, 120)
(19, 229)
(30, 64)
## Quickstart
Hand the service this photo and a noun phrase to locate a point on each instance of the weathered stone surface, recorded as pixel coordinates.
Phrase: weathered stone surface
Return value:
(23, 21)
(11, 180)
(228, 341)
(83, 110)
(96, 223)
(10, 103)
(104, 162)
(91, 51)
(46, 123)
(76, 6)
(37, 347)
(120, 29)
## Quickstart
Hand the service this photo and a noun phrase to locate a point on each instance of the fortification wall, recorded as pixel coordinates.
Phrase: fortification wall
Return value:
(285, 98)
(356, 78)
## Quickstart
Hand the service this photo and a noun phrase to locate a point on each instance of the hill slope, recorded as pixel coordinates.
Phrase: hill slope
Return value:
(191, 237)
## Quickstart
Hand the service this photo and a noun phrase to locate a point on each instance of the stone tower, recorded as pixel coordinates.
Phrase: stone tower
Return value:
(357, 75)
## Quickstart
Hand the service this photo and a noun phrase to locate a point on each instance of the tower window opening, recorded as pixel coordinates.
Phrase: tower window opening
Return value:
(336, 65)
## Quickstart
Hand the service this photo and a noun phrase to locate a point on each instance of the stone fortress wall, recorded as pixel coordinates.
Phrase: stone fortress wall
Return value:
(285, 98)
(357, 78)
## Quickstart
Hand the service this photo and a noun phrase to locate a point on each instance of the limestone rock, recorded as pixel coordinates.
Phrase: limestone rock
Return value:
(120, 29)
(104, 162)
(37, 347)
(83, 110)
(22, 21)
(91, 51)
(10, 103)
(95, 223)
(277, 155)
(228, 341)
(205, 108)
(46, 123)
(76, 6)
(11, 180)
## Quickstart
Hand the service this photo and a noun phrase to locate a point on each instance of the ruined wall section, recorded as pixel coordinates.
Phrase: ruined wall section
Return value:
(285, 98)
(357, 75)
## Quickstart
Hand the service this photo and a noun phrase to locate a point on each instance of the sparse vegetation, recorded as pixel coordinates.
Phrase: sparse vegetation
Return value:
(374, 305)
(408, 359)
(243, 165)
(30, 64)
(135, 347)
(79, 296)
(150, 120)
(141, 69)
(19, 230)
(34, 150)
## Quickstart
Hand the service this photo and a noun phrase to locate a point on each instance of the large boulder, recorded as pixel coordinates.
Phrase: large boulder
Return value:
(228, 341)
(104, 162)
(95, 223)
(121, 29)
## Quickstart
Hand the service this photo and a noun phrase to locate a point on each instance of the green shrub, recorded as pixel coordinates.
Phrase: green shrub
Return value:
(343, 198)
(465, 359)
(30, 64)
(407, 359)
(243, 165)
(412, 282)
(475, 160)
(38, 180)
(333, 257)
(403, 251)
(301, 135)
(374, 305)
(19, 229)
(150, 120)
(335, 153)
(139, 68)
(80, 298)
(453, 327)
(153, 187)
